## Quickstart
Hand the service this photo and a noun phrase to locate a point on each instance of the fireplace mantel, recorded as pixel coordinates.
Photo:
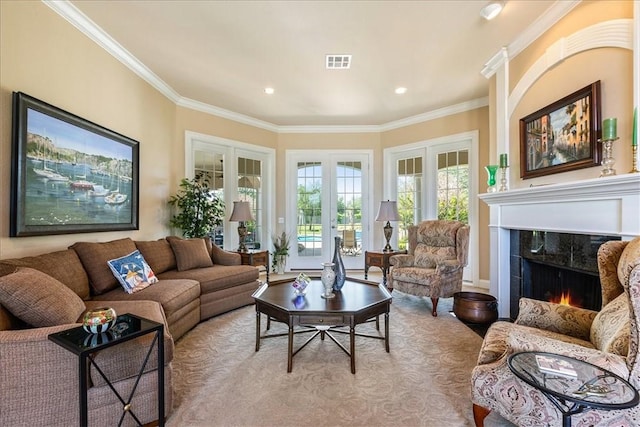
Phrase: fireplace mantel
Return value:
(601, 206)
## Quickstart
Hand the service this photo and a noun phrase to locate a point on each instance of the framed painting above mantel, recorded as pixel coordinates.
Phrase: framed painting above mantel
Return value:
(69, 175)
(562, 136)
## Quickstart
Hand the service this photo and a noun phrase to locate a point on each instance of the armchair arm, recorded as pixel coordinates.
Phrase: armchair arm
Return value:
(573, 321)
(518, 341)
(222, 257)
(448, 266)
(402, 260)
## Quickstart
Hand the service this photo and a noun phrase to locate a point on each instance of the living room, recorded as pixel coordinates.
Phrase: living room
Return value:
(44, 55)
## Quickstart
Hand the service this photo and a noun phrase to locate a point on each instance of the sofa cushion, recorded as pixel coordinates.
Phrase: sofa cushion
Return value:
(94, 257)
(62, 265)
(133, 272)
(610, 330)
(158, 254)
(217, 277)
(39, 299)
(190, 253)
(171, 294)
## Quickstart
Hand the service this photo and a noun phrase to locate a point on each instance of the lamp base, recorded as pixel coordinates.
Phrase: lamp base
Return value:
(242, 235)
(388, 231)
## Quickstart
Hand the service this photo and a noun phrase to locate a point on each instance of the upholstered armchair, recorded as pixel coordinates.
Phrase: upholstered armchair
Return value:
(437, 254)
(608, 338)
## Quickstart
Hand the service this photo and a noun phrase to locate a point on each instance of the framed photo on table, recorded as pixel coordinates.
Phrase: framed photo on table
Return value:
(562, 136)
(69, 175)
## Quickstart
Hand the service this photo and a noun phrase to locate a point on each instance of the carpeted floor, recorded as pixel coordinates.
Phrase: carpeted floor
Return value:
(424, 381)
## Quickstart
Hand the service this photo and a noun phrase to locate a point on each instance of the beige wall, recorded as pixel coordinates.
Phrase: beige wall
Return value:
(46, 57)
(612, 66)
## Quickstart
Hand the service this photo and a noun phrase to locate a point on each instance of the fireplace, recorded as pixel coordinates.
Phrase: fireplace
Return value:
(598, 208)
(556, 267)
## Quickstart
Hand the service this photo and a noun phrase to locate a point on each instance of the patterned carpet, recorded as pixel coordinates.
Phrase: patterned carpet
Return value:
(424, 381)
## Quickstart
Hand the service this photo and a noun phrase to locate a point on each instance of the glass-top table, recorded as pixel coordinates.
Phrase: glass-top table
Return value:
(571, 384)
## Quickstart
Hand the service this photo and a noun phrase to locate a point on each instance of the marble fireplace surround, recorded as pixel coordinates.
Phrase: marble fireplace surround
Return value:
(599, 206)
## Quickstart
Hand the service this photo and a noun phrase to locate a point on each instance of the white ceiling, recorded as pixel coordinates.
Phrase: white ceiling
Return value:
(222, 54)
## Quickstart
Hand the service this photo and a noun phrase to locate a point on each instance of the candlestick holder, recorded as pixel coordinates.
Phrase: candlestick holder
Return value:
(634, 158)
(607, 158)
(503, 179)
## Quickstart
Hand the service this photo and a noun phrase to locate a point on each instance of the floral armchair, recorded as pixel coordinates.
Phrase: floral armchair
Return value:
(608, 339)
(437, 255)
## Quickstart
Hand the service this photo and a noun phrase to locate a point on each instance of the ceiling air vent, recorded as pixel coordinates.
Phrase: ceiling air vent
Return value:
(338, 62)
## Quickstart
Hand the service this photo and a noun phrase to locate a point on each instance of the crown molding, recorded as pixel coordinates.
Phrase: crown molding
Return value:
(226, 114)
(538, 27)
(89, 28)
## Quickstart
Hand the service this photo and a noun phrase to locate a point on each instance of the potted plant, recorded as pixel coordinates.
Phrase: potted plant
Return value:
(280, 253)
(200, 211)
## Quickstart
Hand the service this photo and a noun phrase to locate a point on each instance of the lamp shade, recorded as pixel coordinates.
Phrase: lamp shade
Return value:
(241, 212)
(388, 211)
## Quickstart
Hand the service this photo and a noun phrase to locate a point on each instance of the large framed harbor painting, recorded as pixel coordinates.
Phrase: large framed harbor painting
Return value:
(562, 136)
(69, 175)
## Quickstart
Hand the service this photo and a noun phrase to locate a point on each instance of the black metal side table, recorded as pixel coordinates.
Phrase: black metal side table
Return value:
(588, 386)
(84, 345)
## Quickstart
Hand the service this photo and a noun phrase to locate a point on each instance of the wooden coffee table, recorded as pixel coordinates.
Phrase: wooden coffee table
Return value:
(358, 302)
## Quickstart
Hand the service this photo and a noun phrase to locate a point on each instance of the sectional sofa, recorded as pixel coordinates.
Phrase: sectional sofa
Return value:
(43, 294)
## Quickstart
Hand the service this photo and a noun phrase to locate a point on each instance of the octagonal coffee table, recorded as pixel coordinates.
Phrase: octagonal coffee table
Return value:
(359, 301)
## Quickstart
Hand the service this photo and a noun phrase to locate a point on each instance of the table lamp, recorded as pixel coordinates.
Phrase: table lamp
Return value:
(241, 213)
(388, 212)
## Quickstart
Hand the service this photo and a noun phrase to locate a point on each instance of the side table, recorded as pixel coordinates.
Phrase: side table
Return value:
(84, 345)
(256, 258)
(379, 259)
(590, 387)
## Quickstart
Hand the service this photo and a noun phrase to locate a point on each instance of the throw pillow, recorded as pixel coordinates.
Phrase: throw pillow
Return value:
(38, 299)
(132, 271)
(94, 257)
(190, 253)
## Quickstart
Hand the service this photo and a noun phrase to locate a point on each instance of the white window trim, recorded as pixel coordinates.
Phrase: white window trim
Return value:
(231, 150)
(392, 154)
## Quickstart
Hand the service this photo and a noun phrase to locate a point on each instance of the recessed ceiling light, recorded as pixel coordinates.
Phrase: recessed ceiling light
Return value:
(338, 62)
(491, 10)
(269, 90)
(401, 90)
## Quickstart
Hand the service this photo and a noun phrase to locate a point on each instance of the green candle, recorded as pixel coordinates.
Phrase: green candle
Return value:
(503, 160)
(609, 130)
(634, 136)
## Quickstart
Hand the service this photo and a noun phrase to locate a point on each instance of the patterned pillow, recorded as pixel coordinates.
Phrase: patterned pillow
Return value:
(610, 330)
(39, 299)
(132, 271)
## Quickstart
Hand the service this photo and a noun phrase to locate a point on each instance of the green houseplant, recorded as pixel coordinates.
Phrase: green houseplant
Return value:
(200, 211)
(280, 252)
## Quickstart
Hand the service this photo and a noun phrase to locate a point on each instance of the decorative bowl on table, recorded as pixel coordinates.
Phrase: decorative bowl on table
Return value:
(301, 283)
(99, 320)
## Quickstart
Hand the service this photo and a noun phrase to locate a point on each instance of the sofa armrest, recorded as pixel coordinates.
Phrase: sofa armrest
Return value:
(563, 319)
(222, 257)
(402, 260)
(518, 341)
(39, 378)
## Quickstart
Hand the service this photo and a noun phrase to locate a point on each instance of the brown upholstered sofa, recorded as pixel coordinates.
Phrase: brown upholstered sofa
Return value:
(51, 292)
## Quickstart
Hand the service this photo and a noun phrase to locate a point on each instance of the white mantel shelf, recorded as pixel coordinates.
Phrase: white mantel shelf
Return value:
(608, 206)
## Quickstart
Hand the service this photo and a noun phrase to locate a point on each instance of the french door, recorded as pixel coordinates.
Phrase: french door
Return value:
(328, 197)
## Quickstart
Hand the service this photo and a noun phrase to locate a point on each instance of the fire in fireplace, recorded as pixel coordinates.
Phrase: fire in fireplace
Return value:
(556, 267)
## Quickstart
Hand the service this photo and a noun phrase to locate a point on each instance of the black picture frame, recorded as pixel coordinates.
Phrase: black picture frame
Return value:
(69, 175)
(562, 136)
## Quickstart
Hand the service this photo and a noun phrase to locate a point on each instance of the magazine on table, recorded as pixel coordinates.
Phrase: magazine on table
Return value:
(556, 366)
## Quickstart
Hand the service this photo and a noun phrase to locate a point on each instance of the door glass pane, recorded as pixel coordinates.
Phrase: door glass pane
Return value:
(409, 196)
(250, 190)
(309, 205)
(453, 186)
(208, 168)
(349, 206)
